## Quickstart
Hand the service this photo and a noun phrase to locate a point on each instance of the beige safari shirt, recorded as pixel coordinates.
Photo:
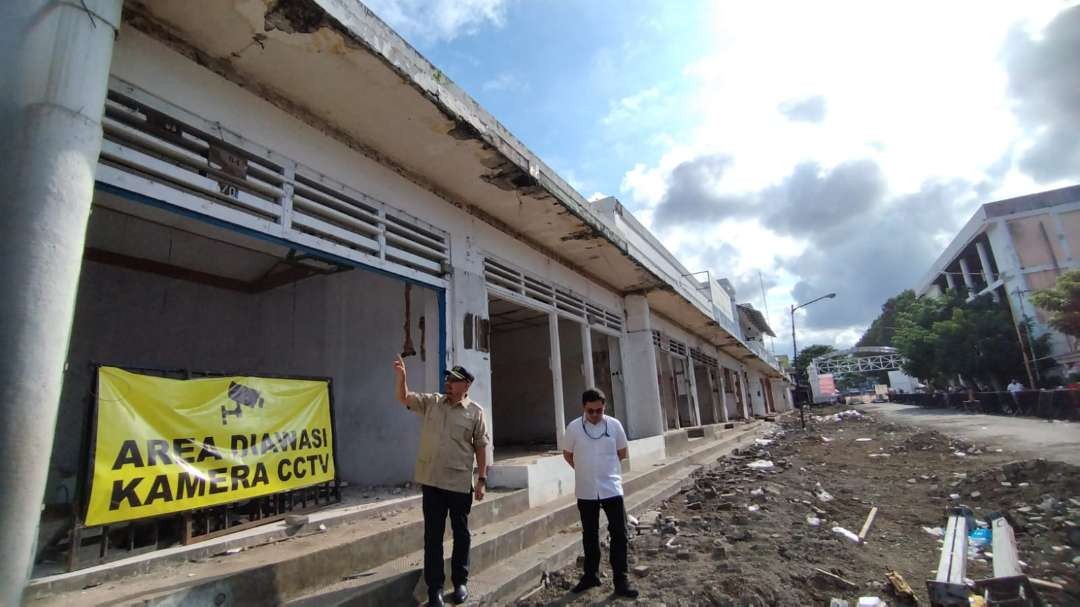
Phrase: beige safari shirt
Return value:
(448, 440)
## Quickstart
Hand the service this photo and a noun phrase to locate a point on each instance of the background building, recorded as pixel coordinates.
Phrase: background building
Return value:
(1011, 248)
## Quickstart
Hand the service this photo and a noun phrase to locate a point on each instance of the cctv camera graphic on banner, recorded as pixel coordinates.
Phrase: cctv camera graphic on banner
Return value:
(242, 396)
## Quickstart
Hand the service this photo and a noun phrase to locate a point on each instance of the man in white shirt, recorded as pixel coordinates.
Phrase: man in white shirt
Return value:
(1015, 388)
(595, 445)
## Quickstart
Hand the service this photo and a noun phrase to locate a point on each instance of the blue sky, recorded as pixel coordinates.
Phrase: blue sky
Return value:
(812, 146)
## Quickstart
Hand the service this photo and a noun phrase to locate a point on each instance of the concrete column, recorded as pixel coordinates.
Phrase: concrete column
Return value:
(55, 73)
(949, 280)
(586, 354)
(969, 282)
(984, 261)
(723, 396)
(748, 402)
(692, 394)
(643, 412)
(555, 362)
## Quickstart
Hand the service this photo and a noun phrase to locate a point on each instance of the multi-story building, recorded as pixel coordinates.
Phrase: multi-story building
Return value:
(288, 188)
(1011, 248)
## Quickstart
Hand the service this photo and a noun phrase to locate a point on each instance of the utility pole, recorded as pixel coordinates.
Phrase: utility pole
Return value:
(1029, 362)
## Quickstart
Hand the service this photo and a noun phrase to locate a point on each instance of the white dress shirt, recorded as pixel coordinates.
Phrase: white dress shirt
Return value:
(597, 471)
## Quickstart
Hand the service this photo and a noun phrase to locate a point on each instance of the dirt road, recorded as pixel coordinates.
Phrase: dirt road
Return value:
(765, 536)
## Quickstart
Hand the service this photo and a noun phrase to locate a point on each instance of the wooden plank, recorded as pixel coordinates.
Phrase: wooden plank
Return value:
(866, 525)
(1006, 558)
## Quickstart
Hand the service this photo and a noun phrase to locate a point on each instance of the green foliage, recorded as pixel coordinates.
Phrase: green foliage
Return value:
(880, 332)
(802, 361)
(945, 337)
(1063, 303)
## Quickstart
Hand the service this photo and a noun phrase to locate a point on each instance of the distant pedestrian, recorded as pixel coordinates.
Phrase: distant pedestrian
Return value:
(1015, 388)
(452, 434)
(595, 445)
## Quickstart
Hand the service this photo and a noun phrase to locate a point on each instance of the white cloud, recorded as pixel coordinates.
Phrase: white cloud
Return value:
(918, 90)
(628, 107)
(597, 196)
(505, 81)
(431, 21)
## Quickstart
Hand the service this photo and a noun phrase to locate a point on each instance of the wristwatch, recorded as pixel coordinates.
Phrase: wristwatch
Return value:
(481, 479)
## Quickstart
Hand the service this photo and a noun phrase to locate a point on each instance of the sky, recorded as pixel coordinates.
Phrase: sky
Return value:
(796, 148)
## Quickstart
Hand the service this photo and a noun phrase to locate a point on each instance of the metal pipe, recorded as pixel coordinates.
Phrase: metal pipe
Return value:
(55, 70)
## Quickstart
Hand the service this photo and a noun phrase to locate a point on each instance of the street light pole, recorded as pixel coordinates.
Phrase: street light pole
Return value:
(795, 353)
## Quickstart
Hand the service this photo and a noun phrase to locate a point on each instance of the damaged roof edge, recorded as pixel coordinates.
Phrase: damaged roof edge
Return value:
(358, 22)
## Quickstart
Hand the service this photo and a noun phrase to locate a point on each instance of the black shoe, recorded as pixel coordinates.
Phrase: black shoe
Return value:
(435, 599)
(623, 588)
(461, 594)
(587, 581)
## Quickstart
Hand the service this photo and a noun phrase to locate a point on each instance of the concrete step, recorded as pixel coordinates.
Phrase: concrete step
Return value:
(268, 574)
(373, 561)
(509, 555)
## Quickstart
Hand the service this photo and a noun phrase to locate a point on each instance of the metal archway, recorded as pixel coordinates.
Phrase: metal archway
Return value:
(853, 360)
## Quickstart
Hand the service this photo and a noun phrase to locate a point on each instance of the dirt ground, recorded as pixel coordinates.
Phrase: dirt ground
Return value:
(746, 536)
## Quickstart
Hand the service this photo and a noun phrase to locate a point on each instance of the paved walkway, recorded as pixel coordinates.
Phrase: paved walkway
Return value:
(1025, 436)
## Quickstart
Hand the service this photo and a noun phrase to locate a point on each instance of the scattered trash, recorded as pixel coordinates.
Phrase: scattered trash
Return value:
(879, 455)
(866, 525)
(826, 439)
(838, 603)
(822, 494)
(322, 528)
(954, 496)
(844, 532)
(959, 454)
(760, 464)
(640, 570)
(980, 537)
(935, 531)
(863, 440)
(762, 442)
(900, 587)
(813, 521)
(870, 601)
(836, 578)
(632, 520)
(753, 507)
(757, 492)
(234, 550)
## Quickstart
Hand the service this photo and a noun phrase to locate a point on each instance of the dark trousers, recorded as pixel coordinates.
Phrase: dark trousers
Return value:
(437, 504)
(615, 512)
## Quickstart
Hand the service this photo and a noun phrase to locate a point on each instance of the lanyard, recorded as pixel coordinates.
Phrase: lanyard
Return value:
(597, 437)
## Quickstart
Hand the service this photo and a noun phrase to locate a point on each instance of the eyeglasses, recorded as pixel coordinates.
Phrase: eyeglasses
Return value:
(596, 411)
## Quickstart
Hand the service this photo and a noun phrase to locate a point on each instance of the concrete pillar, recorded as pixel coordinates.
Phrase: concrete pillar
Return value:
(55, 73)
(748, 403)
(555, 362)
(692, 394)
(949, 280)
(643, 413)
(969, 282)
(586, 354)
(723, 396)
(984, 261)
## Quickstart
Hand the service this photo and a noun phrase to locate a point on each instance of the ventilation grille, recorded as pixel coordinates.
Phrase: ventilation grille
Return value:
(503, 275)
(702, 358)
(171, 155)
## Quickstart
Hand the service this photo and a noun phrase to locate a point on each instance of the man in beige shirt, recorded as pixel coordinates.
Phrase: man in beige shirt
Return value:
(452, 434)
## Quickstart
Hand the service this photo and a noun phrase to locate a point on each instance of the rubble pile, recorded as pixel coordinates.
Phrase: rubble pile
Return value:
(787, 520)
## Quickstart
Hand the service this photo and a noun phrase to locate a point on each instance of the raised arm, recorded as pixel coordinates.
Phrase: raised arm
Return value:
(401, 385)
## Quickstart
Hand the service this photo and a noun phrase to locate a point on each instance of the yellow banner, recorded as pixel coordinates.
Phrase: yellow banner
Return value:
(167, 445)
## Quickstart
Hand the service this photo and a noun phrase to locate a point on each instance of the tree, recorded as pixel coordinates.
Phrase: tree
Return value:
(880, 332)
(1062, 301)
(802, 361)
(947, 337)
